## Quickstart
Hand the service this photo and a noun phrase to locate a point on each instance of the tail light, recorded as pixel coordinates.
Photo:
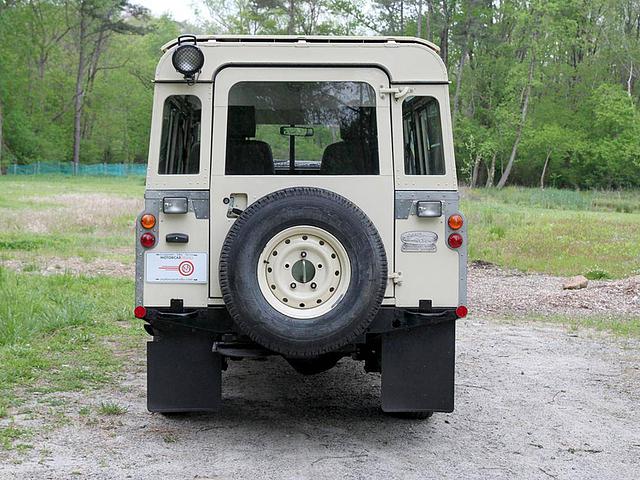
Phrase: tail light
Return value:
(455, 240)
(461, 311)
(455, 222)
(148, 221)
(141, 312)
(147, 240)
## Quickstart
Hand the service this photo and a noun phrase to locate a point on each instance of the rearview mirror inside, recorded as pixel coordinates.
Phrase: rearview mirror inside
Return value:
(297, 131)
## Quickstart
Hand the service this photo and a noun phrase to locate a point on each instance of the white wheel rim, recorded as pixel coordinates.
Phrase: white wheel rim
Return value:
(303, 272)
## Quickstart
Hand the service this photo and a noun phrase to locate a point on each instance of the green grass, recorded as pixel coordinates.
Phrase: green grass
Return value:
(36, 223)
(110, 408)
(71, 244)
(551, 231)
(9, 436)
(25, 187)
(621, 326)
(57, 333)
(551, 198)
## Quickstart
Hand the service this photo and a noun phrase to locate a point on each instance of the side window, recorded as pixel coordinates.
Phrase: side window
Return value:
(422, 136)
(302, 128)
(180, 141)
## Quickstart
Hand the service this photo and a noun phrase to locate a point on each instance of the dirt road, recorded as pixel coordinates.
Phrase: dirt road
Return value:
(533, 401)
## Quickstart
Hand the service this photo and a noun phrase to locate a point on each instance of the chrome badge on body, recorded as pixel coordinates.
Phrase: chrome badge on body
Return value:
(419, 241)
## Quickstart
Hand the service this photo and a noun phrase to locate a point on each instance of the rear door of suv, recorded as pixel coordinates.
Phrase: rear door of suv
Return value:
(278, 127)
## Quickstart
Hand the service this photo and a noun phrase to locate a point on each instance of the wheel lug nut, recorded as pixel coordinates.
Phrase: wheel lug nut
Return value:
(313, 285)
(303, 254)
(293, 285)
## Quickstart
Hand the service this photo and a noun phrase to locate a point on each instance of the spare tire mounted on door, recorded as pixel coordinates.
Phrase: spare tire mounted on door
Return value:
(303, 271)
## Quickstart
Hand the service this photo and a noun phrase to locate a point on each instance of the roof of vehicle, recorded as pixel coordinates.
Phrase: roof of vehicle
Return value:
(405, 59)
(302, 38)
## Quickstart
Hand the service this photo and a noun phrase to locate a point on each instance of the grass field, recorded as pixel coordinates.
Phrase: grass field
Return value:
(58, 332)
(555, 231)
(90, 218)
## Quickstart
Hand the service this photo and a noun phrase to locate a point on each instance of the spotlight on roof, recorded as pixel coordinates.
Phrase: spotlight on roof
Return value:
(187, 58)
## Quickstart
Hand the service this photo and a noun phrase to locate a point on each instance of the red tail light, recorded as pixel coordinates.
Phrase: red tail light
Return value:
(140, 311)
(461, 311)
(147, 240)
(455, 240)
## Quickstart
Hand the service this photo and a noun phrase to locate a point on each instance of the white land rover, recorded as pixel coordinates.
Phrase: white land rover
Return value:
(301, 201)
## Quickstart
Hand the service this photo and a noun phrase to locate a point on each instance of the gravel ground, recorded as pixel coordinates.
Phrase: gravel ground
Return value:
(500, 292)
(532, 401)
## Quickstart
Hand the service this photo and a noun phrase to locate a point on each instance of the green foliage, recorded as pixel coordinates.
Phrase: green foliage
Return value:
(580, 62)
(597, 274)
(38, 63)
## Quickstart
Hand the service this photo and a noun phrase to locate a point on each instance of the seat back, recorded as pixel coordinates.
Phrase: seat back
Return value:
(246, 156)
(353, 155)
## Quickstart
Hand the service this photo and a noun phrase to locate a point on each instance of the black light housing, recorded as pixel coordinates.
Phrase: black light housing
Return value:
(187, 58)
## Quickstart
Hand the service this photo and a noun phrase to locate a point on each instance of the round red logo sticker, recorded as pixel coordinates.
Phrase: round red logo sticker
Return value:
(186, 268)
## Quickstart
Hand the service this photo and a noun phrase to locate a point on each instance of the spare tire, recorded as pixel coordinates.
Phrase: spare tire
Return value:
(303, 271)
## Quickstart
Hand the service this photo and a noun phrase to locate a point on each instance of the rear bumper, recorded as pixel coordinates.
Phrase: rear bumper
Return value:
(216, 319)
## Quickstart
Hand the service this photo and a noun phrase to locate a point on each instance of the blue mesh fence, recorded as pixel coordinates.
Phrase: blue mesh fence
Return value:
(66, 168)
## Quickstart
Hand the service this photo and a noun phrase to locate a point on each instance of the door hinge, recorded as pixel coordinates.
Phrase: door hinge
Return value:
(396, 277)
(397, 92)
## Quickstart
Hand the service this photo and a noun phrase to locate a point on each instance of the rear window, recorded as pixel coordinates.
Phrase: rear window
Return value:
(422, 133)
(302, 128)
(180, 141)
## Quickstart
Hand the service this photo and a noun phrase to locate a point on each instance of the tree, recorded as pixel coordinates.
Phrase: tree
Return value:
(96, 21)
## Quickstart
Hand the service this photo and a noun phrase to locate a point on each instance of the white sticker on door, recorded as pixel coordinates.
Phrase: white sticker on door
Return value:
(176, 267)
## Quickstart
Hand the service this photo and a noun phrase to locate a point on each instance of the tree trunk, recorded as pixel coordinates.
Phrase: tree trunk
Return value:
(79, 94)
(427, 33)
(1, 138)
(456, 97)
(523, 119)
(544, 169)
(444, 33)
(491, 171)
(419, 27)
(292, 18)
(475, 171)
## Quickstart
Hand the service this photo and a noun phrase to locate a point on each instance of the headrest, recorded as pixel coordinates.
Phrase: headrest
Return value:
(241, 122)
(355, 124)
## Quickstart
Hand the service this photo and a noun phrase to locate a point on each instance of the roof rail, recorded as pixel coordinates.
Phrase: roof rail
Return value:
(302, 38)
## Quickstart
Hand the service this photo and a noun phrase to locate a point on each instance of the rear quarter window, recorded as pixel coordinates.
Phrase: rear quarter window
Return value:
(422, 136)
(180, 140)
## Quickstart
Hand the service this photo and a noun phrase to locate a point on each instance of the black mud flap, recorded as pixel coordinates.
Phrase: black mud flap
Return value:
(183, 375)
(418, 369)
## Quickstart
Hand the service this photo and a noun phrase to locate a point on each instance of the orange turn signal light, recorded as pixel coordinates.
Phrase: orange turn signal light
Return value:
(455, 222)
(148, 221)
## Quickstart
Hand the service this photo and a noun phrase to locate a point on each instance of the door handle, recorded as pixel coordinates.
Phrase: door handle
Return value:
(177, 238)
